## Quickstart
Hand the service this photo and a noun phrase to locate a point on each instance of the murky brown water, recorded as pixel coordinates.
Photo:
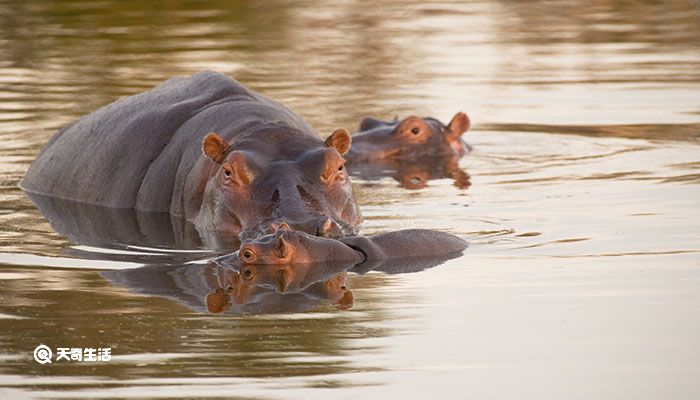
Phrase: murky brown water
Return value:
(580, 200)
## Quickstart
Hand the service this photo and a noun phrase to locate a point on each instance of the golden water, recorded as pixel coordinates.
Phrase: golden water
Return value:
(583, 275)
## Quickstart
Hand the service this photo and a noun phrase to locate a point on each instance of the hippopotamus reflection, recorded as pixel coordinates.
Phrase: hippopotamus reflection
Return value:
(216, 288)
(208, 150)
(266, 285)
(290, 271)
(407, 139)
(414, 173)
(105, 227)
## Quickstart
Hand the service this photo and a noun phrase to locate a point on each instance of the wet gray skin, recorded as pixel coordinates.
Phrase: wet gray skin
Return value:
(409, 138)
(206, 149)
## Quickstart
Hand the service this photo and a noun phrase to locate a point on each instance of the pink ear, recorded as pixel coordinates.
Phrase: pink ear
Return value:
(218, 302)
(284, 226)
(214, 147)
(282, 247)
(339, 140)
(460, 123)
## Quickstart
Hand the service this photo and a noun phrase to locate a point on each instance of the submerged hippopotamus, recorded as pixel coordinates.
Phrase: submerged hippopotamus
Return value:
(409, 138)
(294, 262)
(289, 247)
(209, 150)
(288, 271)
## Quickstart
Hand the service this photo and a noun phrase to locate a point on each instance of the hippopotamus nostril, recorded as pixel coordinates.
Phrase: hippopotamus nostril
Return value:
(329, 228)
(308, 199)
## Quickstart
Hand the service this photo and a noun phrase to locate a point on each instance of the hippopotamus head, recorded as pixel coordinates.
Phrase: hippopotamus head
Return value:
(290, 260)
(409, 138)
(286, 246)
(253, 187)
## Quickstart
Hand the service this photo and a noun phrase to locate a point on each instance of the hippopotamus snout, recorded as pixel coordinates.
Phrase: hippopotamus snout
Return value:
(319, 226)
(316, 226)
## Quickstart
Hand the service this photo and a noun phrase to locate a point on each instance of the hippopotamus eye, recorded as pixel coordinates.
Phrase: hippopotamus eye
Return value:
(227, 173)
(247, 255)
(333, 171)
(415, 130)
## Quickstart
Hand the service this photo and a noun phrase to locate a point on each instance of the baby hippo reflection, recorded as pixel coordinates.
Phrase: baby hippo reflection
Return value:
(252, 283)
(289, 271)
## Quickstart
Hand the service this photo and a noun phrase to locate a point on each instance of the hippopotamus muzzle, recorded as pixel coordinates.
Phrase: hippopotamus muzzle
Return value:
(322, 226)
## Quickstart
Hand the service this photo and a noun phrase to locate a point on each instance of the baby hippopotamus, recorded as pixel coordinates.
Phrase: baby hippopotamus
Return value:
(293, 261)
(295, 247)
(409, 138)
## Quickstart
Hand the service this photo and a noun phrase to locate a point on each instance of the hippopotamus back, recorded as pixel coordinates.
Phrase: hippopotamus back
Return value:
(128, 153)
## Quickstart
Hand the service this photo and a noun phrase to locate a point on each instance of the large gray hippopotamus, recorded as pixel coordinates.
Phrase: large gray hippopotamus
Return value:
(209, 150)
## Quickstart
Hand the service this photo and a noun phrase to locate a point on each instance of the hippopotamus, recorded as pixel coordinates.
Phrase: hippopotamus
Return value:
(289, 271)
(207, 149)
(290, 261)
(289, 247)
(409, 138)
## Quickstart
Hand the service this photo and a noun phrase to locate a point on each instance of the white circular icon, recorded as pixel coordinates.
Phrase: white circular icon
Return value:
(43, 354)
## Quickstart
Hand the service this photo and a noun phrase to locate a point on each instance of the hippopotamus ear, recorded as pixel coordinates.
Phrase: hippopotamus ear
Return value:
(370, 123)
(339, 140)
(459, 124)
(214, 147)
(281, 247)
(283, 278)
(218, 301)
(346, 301)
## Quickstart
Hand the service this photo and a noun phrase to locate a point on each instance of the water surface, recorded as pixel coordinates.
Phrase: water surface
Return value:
(580, 201)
